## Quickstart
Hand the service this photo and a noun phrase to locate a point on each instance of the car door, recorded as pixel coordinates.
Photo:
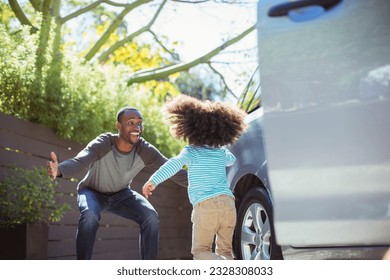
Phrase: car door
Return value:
(325, 87)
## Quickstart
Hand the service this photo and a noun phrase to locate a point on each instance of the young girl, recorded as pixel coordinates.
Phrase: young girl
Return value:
(208, 127)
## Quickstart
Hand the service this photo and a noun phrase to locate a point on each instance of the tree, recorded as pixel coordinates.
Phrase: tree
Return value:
(104, 48)
(73, 88)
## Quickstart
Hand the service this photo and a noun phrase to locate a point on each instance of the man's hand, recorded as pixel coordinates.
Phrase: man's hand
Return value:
(148, 188)
(52, 166)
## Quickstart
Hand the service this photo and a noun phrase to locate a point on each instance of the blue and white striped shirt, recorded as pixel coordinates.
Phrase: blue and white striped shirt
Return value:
(206, 171)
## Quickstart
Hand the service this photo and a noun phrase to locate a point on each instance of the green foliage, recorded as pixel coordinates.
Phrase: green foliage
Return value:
(250, 98)
(82, 103)
(78, 100)
(43, 79)
(29, 196)
(6, 14)
(17, 60)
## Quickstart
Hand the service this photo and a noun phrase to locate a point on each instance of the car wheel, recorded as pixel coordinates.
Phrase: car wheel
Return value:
(254, 236)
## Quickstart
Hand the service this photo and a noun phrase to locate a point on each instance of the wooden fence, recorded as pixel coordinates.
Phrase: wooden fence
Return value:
(28, 145)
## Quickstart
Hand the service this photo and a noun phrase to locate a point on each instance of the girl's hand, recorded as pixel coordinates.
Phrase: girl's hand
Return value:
(148, 188)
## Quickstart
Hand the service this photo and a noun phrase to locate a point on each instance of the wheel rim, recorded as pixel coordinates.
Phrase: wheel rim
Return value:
(256, 234)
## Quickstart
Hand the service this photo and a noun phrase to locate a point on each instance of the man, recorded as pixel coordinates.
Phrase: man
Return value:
(112, 161)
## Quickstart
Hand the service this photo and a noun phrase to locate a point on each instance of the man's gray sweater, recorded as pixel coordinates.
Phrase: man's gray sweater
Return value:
(109, 170)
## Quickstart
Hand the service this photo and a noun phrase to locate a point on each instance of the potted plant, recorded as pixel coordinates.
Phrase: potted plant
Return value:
(28, 203)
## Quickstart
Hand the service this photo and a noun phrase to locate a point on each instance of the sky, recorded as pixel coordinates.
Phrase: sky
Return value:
(202, 27)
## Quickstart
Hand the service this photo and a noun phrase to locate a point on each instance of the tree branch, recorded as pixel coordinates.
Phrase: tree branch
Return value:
(175, 56)
(192, 2)
(115, 4)
(81, 11)
(104, 56)
(114, 25)
(157, 74)
(37, 5)
(20, 15)
(223, 80)
(247, 87)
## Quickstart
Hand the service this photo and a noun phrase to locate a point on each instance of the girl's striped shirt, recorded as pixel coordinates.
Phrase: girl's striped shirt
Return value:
(206, 171)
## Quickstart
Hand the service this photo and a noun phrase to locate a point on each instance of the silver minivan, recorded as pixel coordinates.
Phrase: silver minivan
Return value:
(313, 169)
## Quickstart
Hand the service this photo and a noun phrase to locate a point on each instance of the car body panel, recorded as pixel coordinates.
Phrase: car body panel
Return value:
(325, 89)
(250, 156)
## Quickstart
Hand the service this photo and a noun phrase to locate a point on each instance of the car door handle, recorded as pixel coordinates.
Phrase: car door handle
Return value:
(285, 8)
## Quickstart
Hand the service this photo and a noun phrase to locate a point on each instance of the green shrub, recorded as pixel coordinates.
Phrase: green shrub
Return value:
(17, 67)
(29, 196)
(77, 99)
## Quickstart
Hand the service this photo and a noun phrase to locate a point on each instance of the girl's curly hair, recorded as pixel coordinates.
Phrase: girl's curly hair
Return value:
(203, 122)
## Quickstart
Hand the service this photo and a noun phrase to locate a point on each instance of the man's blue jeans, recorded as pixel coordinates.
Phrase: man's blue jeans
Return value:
(126, 203)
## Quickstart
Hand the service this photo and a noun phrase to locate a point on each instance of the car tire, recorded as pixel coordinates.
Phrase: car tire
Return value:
(254, 237)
